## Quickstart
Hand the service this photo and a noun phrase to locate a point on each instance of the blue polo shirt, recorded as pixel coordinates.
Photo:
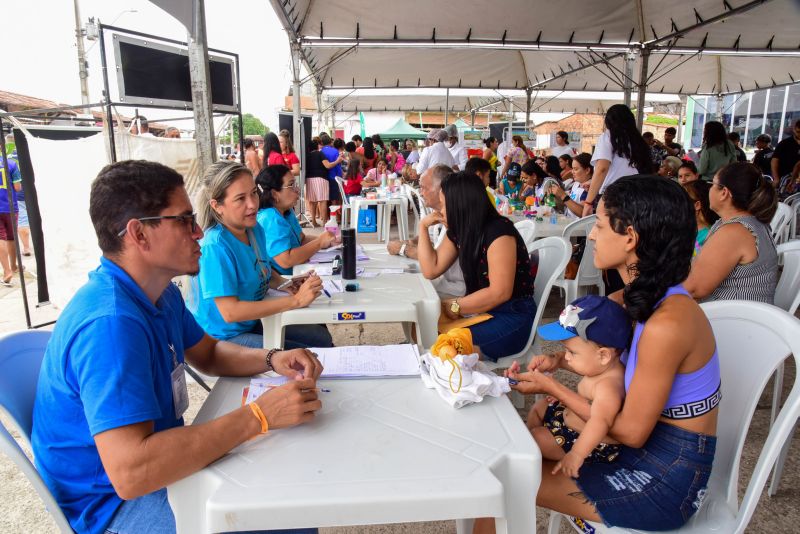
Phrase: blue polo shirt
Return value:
(331, 154)
(228, 268)
(282, 232)
(107, 365)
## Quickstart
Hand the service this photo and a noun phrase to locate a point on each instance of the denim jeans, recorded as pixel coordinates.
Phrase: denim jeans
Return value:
(508, 330)
(657, 487)
(296, 336)
(151, 514)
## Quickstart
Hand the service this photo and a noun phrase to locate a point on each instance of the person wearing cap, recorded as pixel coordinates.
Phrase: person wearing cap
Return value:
(436, 154)
(457, 150)
(594, 331)
(511, 186)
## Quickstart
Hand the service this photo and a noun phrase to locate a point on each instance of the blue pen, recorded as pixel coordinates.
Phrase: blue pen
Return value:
(512, 382)
(326, 292)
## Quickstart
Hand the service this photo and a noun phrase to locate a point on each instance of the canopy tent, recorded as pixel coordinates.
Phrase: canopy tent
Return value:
(403, 130)
(464, 101)
(713, 48)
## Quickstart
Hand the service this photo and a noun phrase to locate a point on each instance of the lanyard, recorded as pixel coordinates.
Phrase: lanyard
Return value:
(263, 267)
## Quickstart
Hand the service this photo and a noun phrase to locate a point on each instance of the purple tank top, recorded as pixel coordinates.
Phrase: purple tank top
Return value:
(688, 388)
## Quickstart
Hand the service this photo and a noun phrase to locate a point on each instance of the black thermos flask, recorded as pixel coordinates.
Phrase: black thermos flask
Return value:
(348, 253)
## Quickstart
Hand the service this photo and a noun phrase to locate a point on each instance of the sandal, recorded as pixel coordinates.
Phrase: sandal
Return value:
(7, 281)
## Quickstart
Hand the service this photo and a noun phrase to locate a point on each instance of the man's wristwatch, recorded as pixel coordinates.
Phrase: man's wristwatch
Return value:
(403, 249)
(455, 307)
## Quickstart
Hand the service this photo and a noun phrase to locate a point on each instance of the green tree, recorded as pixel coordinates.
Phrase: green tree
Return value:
(252, 126)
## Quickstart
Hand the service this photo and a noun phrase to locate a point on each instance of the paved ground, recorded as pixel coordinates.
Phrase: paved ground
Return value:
(21, 510)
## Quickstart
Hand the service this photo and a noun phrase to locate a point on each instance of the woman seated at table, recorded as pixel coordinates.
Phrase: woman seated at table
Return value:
(511, 184)
(533, 177)
(353, 180)
(668, 421)
(395, 158)
(376, 176)
(287, 245)
(494, 261)
(227, 295)
(581, 172)
(738, 260)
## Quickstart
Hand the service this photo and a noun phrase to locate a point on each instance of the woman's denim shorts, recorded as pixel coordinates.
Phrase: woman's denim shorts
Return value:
(657, 487)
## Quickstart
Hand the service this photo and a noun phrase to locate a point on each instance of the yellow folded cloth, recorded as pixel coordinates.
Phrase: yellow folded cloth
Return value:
(445, 324)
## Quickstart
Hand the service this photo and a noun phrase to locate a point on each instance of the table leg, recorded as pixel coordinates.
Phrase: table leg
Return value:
(520, 478)
(402, 220)
(273, 331)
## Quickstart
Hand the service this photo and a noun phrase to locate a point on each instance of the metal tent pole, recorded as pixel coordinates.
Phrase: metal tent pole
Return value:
(627, 88)
(446, 106)
(528, 103)
(510, 124)
(681, 114)
(201, 93)
(642, 88)
(297, 130)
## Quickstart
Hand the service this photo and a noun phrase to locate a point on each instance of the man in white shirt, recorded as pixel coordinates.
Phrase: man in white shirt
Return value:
(451, 283)
(457, 150)
(436, 154)
(562, 145)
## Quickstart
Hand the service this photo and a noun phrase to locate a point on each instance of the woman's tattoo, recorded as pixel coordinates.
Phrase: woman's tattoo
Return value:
(580, 496)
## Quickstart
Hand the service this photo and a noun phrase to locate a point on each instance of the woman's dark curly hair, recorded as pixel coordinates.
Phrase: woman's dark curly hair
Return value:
(662, 215)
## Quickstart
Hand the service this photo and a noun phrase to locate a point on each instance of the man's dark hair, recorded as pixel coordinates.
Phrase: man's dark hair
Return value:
(671, 131)
(338, 144)
(325, 139)
(350, 146)
(142, 122)
(248, 143)
(477, 166)
(764, 138)
(648, 135)
(563, 135)
(356, 138)
(734, 136)
(128, 190)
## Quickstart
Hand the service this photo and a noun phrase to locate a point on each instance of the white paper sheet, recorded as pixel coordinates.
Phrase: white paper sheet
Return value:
(262, 384)
(369, 361)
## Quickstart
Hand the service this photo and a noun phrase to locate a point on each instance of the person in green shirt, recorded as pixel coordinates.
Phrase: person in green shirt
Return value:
(717, 150)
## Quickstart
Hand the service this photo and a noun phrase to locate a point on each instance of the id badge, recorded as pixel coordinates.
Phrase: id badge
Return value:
(180, 394)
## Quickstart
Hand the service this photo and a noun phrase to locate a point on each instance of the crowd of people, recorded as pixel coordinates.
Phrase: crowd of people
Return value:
(669, 233)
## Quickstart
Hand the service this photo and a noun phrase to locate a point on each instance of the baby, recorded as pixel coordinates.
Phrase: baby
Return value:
(594, 331)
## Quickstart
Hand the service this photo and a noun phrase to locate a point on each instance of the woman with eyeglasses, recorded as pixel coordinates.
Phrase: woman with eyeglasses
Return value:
(286, 244)
(738, 260)
(228, 294)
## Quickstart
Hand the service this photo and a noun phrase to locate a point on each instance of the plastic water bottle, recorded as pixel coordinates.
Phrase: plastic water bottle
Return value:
(551, 203)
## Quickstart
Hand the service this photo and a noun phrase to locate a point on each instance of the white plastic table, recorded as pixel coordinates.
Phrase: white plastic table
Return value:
(387, 298)
(379, 451)
(385, 205)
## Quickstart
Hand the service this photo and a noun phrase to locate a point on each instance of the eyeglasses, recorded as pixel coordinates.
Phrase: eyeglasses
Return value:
(292, 185)
(190, 219)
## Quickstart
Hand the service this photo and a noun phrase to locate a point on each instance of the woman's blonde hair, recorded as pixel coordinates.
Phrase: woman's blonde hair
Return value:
(287, 138)
(215, 182)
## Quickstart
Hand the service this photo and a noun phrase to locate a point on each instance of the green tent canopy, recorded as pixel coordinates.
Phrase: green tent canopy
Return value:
(402, 130)
(461, 125)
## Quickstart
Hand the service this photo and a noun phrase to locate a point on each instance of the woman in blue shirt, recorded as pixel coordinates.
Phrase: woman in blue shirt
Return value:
(227, 295)
(286, 245)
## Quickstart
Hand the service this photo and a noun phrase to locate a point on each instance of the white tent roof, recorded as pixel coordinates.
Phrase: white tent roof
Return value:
(460, 101)
(513, 44)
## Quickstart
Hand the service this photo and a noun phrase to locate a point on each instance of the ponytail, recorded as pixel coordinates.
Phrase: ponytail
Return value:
(750, 191)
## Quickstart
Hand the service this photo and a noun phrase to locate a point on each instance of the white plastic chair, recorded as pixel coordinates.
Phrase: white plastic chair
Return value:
(553, 255)
(588, 275)
(21, 356)
(741, 329)
(781, 223)
(415, 200)
(347, 209)
(787, 297)
(793, 201)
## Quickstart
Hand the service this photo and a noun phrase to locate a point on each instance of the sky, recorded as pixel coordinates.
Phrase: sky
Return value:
(47, 65)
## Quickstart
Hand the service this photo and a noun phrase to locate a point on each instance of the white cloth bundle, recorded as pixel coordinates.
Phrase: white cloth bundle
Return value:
(477, 380)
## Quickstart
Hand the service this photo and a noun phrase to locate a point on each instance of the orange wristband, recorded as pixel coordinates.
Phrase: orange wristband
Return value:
(260, 416)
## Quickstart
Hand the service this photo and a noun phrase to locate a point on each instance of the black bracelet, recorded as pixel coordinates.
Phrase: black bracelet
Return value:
(566, 197)
(270, 353)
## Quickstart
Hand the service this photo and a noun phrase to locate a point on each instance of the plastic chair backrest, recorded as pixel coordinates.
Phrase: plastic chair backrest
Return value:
(554, 253)
(586, 268)
(527, 230)
(742, 329)
(780, 223)
(21, 356)
(787, 292)
(791, 200)
(340, 185)
(413, 198)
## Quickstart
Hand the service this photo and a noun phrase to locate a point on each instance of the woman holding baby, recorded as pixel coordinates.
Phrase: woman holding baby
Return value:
(665, 428)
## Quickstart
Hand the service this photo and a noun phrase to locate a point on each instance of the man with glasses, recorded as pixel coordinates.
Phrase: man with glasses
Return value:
(108, 432)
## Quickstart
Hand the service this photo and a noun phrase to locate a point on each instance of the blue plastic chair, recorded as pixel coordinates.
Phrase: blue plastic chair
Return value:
(21, 356)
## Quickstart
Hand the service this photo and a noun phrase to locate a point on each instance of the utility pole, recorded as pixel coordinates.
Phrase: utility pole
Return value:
(83, 73)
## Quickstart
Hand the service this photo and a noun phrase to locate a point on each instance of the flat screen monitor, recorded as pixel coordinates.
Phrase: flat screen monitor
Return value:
(158, 74)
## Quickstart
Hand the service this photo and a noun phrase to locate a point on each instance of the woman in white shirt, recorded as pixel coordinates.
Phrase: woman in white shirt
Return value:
(620, 151)
(573, 200)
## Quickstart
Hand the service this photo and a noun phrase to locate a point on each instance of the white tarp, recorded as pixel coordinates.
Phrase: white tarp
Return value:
(418, 43)
(179, 154)
(64, 172)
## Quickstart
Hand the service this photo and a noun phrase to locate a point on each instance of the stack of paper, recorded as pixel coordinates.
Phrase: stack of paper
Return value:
(369, 361)
(327, 255)
(260, 385)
